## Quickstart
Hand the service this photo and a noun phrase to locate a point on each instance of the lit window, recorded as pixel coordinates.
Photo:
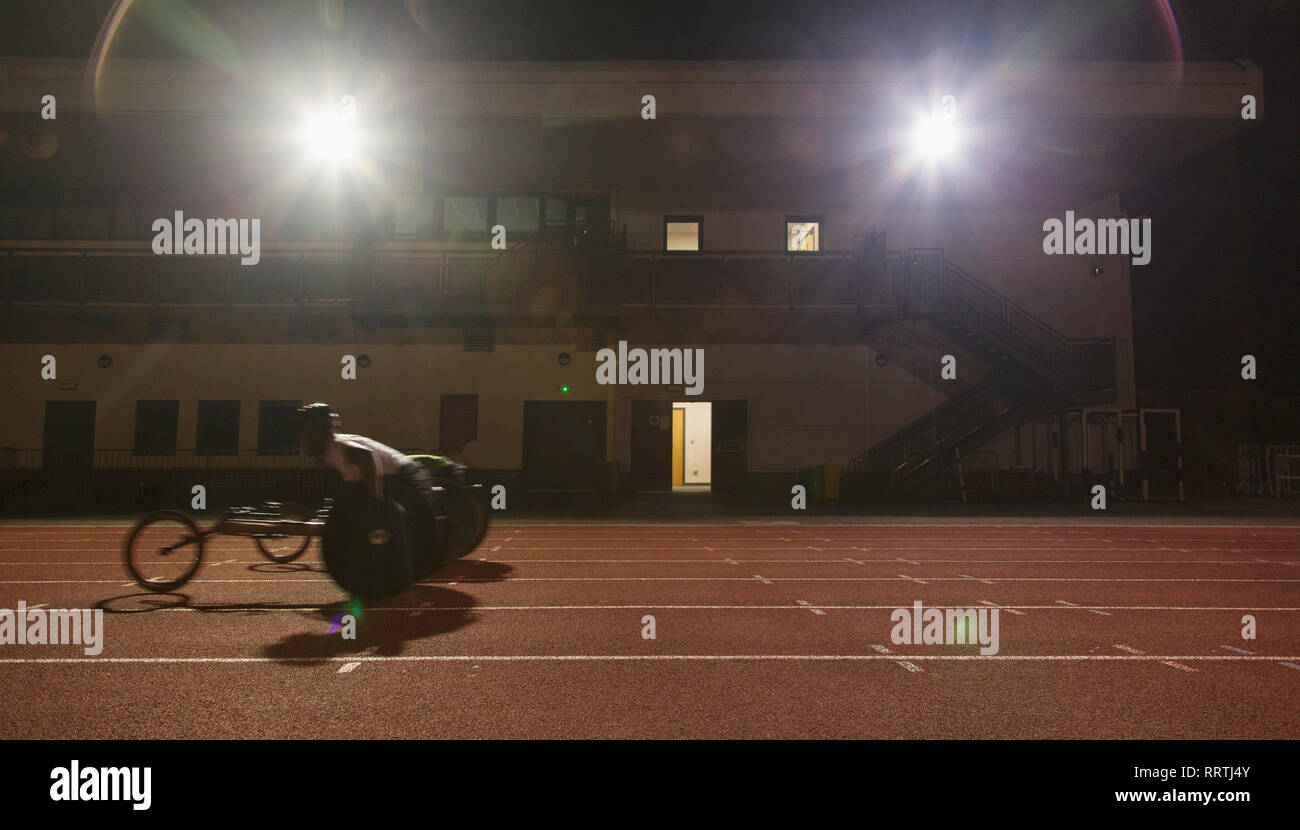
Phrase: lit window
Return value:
(803, 235)
(683, 233)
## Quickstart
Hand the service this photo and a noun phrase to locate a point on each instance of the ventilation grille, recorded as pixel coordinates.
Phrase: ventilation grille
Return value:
(479, 340)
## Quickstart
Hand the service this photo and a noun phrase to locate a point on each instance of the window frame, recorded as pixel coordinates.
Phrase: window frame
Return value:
(199, 448)
(681, 218)
(805, 218)
(137, 448)
(261, 427)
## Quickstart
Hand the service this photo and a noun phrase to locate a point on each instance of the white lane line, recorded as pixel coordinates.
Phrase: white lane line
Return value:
(116, 563)
(775, 579)
(201, 609)
(977, 579)
(1002, 607)
(807, 605)
(577, 658)
(912, 546)
(730, 560)
(912, 667)
(1129, 649)
(706, 547)
(269, 581)
(762, 579)
(349, 666)
(1089, 610)
(423, 607)
(1291, 665)
(1238, 650)
(1178, 665)
(914, 579)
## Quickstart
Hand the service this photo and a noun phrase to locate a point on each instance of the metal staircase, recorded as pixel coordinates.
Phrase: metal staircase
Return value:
(1031, 368)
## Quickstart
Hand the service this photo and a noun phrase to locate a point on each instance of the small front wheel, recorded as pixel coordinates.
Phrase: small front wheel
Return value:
(283, 547)
(164, 550)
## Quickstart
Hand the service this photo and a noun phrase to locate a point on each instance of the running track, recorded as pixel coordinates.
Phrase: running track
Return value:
(764, 630)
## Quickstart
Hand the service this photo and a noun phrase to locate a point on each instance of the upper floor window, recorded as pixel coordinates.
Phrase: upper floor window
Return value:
(519, 215)
(415, 217)
(465, 217)
(803, 233)
(683, 233)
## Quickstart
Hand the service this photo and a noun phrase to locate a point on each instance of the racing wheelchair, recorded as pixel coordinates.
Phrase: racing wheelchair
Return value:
(369, 548)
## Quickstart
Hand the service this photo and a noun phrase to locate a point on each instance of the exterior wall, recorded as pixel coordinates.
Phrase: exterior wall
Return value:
(807, 405)
(1002, 249)
(395, 400)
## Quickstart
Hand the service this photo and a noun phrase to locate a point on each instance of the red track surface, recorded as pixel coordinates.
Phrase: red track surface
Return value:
(763, 630)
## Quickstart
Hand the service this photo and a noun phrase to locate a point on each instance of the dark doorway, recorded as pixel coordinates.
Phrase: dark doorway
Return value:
(652, 445)
(564, 445)
(69, 439)
(730, 445)
(1162, 461)
(589, 222)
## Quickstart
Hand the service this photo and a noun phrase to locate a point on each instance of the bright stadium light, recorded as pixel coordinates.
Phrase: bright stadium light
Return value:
(330, 138)
(935, 137)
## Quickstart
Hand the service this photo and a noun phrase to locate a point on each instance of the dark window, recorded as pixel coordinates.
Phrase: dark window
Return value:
(683, 233)
(465, 217)
(457, 422)
(218, 427)
(155, 426)
(277, 423)
(557, 212)
(519, 215)
(415, 217)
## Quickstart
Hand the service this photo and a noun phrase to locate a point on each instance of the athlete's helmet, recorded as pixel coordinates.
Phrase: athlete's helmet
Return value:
(320, 414)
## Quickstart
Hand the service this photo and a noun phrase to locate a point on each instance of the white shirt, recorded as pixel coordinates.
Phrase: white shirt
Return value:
(387, 460)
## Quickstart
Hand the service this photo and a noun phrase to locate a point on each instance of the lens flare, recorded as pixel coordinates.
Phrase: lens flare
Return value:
(352, 609)
(330, 138)
(934, 137)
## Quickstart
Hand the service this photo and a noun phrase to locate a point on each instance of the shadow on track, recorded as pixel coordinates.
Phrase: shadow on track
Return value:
(383, 628)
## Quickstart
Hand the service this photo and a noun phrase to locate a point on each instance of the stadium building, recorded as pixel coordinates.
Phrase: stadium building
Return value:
(857, 252)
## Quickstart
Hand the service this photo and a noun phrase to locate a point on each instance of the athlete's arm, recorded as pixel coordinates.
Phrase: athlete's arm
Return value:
(367, 464)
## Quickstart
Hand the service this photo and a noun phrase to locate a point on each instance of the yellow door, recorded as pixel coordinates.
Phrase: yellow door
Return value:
(679, 446)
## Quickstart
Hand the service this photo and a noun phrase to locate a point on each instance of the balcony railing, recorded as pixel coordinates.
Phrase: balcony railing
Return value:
(425, 278)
